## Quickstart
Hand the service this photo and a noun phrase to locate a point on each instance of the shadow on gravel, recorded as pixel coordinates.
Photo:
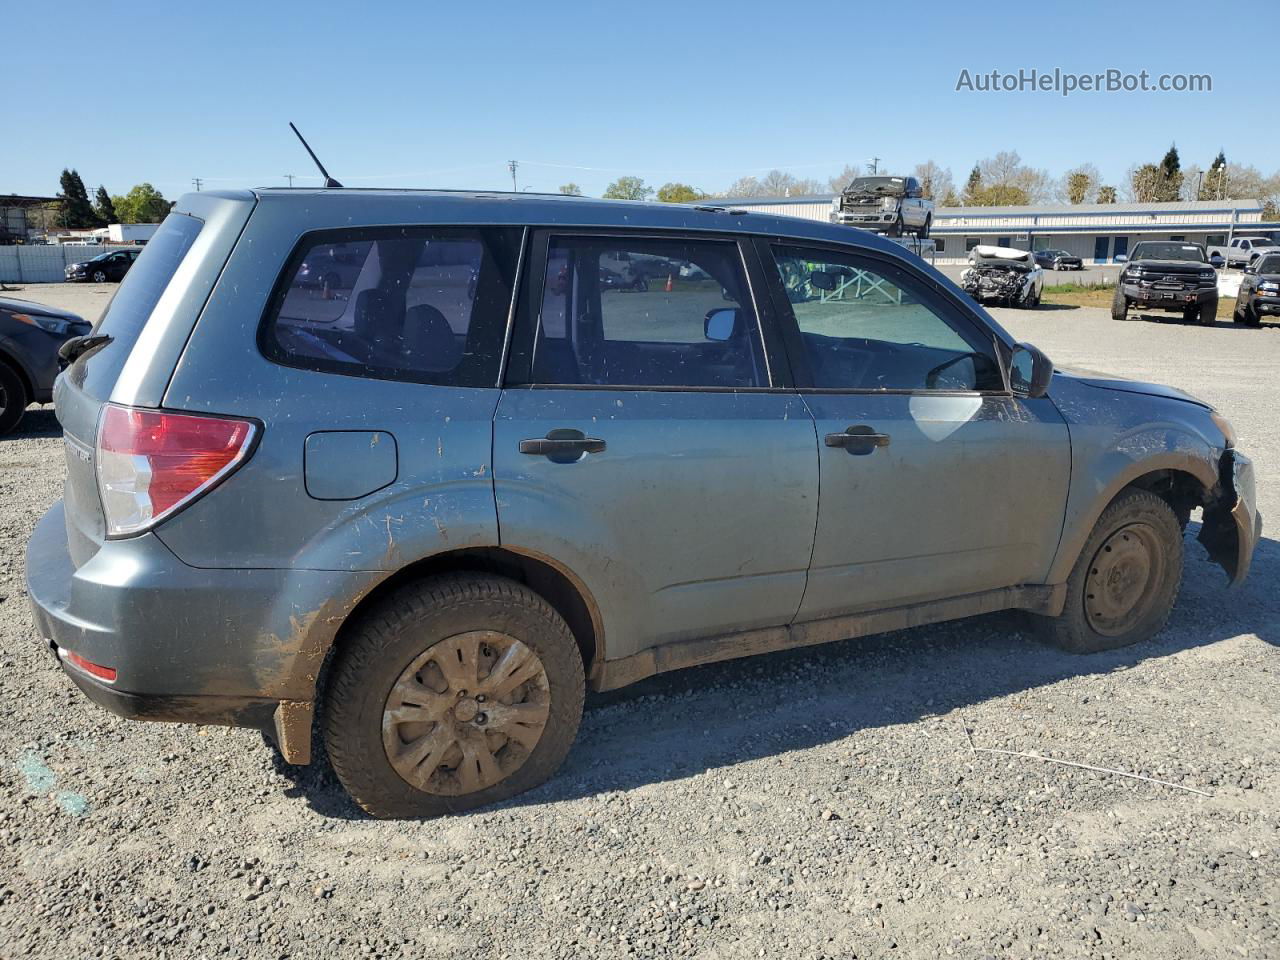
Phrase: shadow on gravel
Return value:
(1041, 307)
(35, 423)
(681, 724)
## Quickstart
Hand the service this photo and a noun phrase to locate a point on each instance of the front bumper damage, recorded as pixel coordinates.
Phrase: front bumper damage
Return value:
(1232, 525)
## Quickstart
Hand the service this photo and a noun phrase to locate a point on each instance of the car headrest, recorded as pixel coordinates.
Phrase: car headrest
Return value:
(376, 320)
(430, 344)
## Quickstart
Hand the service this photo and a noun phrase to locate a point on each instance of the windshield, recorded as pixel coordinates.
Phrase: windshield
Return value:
(1170, 250)
(1269, 265)
(884, 186)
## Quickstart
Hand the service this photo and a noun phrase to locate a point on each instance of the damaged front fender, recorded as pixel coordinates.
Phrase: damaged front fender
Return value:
(1232, 525)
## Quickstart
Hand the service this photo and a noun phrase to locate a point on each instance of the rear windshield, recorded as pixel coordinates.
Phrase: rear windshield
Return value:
(138, 295)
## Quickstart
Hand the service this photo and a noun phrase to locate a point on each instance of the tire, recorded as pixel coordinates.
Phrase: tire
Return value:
(13, 398)
(923, 232)
(99, 276)
(896, 229)
(1032, 301)
(399, 647)
(1119, 305)
(1138, 527)
(1207, 313)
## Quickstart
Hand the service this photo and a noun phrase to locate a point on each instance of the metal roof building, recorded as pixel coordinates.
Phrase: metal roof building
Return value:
(1098, 232)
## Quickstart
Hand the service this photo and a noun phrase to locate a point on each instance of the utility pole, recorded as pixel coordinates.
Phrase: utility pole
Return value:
(289, 177)
(874, 164)
(197, 181)
(511, 165)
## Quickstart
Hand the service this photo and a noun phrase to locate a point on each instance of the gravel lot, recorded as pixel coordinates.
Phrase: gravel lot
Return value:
(811, 804)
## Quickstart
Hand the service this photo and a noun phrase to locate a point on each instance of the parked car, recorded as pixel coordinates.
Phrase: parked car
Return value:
(441, 519)
(1004, 276)
(1241, 250)
(30, 336)
(1172, 276)
(1058, 260)
(110, 266)
(1259, 294)
(889, 205)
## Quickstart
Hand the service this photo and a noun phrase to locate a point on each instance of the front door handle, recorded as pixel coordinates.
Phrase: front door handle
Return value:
(563, 446)
(859, 440)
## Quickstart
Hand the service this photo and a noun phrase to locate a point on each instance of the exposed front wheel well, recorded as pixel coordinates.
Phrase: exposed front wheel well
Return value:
(1182, 491)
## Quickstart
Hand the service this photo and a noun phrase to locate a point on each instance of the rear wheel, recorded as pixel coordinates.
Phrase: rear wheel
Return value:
(1119, 305)
(454, 693)
(1126, 579)
(923, 232)
(13, 398)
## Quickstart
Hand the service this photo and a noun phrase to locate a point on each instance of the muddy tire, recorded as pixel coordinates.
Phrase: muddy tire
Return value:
(1119, 305)
(13, 398)
(454, 693)
(1126, 579)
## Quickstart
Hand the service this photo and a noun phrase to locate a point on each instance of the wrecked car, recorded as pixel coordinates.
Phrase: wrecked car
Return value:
(890, 205)
(1003, 276)
(1171, 276)
(410, 526)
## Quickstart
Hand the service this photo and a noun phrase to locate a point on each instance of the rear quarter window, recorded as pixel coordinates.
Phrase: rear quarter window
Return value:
(139, 292)
(427, 305)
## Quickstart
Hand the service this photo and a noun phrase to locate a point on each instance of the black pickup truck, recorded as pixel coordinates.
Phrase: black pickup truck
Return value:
(1168, 275)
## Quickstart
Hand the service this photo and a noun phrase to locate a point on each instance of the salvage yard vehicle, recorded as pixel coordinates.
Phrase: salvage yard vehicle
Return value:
(105, 267)
(429, 522)
(30, 336)
(1242, 251)
(1168, 275)
(1259, 294)
(1003, 276)
(889, 205)
(1058, 260)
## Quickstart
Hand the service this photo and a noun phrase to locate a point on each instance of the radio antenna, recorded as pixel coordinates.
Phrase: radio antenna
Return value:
(329, 182)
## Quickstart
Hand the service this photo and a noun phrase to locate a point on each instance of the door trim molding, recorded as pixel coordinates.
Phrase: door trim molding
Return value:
(1037, 598)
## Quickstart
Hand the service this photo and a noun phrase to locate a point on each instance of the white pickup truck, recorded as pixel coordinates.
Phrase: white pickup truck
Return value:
(891, 205)
(1241, 250)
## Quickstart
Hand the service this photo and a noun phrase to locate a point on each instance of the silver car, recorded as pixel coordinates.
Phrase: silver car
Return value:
(435, 498)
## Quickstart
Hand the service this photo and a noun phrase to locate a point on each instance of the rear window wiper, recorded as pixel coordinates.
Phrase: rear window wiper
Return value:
(77, 347)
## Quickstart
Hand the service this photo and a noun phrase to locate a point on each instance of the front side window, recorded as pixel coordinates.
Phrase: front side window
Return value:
(869, 326)
(646, 313)
(427, 305)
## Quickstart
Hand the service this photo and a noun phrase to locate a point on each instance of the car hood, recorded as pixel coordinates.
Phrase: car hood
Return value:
(1104, 381)
(26, 306)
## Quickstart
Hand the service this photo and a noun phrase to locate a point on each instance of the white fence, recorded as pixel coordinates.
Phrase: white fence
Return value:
(46, 263)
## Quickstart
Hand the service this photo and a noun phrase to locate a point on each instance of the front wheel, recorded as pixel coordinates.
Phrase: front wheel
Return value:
(455, 693)
(13, 398)
(1247, 314)
(897, 228)
(1207, 313)
(1126, 579)
(1119, 305)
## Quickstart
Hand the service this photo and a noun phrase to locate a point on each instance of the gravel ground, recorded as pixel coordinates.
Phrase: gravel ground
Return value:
(809, 804)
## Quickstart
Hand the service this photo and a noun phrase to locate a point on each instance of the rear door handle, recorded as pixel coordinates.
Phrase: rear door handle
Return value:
(859, 440)
(562, 444)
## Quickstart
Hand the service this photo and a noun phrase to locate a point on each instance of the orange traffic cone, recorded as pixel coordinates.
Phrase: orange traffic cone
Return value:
(668, 283)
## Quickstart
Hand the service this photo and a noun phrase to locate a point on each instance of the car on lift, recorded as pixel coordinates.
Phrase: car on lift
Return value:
(1170, 276)
(893, 206)
(411, 527)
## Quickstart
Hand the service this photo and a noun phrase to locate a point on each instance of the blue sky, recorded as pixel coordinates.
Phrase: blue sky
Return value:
(443, 94)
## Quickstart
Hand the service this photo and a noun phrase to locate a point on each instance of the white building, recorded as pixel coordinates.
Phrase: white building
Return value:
(1097, 232)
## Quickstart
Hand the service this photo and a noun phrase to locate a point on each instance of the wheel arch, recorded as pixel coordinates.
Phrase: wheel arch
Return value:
(9, 359)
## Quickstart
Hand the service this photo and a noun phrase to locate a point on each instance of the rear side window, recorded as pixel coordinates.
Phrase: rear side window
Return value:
(138, 295)
(646, 312)
(428, 305)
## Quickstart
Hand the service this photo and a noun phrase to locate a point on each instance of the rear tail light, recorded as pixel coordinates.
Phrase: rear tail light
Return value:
(151, 463)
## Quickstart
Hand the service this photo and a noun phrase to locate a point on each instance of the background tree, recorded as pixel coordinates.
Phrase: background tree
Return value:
(1144, 183)
(1213, 187)
(1007, 175)
(76, 211)
(571, 189)
(627, 188)
(743, 187)
(143, 204)
(935, 181)
(1169, 186)
(679, 193)
(1080, 184)
(777, 183)
(973, 187)
(102, 207)
(1106, 194)
(1192, 180)
(844, 177)
(950, 199)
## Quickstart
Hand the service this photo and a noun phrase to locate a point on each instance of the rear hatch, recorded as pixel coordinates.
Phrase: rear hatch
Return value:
(148, 320)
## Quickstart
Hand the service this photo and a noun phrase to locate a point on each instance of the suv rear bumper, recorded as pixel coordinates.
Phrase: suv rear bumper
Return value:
(221, 646)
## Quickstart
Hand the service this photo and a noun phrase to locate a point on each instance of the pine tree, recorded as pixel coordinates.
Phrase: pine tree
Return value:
(1169, 185)
(973, 187)
(103, 207)
(76, 212)
(1214, 185)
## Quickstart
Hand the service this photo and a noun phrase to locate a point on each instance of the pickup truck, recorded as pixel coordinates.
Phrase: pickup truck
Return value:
(1168, 275)
(1241, 250)
(888, 205)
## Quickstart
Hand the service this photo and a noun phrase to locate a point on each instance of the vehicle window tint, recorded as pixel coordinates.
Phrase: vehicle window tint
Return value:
(138, 295)
(672, 313)
(864, 326)
(426, 305)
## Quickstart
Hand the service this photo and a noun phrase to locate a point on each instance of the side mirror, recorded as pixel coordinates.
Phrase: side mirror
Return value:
(720, 324)
(1030, 371)
(1121, 258)
(822, 280)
